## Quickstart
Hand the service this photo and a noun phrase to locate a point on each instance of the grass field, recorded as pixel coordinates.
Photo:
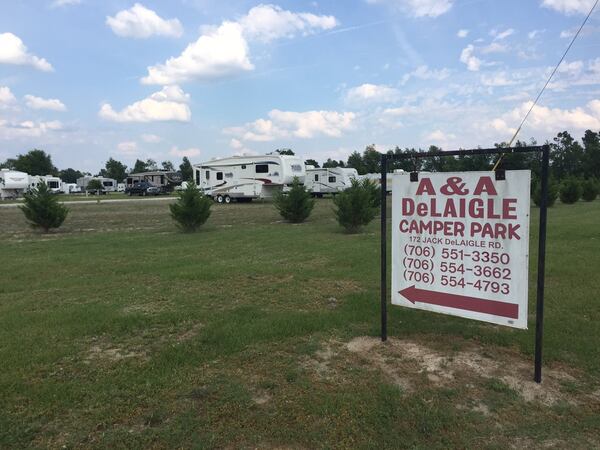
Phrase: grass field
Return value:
(118, 331)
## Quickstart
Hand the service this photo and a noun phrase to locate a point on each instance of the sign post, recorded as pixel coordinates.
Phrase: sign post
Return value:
(460, 243)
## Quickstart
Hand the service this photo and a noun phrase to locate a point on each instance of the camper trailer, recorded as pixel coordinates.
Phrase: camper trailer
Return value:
(109, 184)
(70, 188)
(12, 183)
(329, 180)
(165, 180)
(376, 178)
(53, 183)
(243, 178)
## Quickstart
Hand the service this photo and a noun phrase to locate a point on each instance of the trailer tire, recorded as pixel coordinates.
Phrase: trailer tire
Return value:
(219, 198)
(227, 199)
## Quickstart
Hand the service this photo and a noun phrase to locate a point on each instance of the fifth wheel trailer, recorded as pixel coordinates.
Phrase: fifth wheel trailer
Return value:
(244, 178)
(13, 183)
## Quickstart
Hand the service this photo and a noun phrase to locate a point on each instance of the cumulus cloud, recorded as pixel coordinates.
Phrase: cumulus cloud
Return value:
(378, 93)
(13, 51)
(440, 138)
(269, 22)
(500, 35)
(468, 57)
(462, 33)
(168, 104)
(569, 7)
(128, 148)
(27, 128)
(425, 73)
(142, 23)
(7, 98)
(52, 104)
(61, 3)
(285, 124)
(498, 79)
(420, 8)
(550, 119)
(189, 152)
(224, 50)
(151, 138)
(576, 73)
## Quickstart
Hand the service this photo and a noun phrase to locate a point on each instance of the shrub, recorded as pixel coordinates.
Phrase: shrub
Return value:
(296, 205)
(95, 185)
(570, 190)
(42, 209)
(192, 208)
(374, 190)
(552, 192)
(589, 190)
(355, 206)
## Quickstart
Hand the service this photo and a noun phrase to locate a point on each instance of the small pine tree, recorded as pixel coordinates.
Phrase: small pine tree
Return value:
(570, 190)
(552, 193)
(192, 208)
(355, 206)
(589, 190)
(295, 205)
(42, 209)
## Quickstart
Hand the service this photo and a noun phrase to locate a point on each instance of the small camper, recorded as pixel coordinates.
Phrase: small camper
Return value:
(243, 178)
(70, 188)
(164, 179)
(13, 184)
(109, 184)
(329, 180)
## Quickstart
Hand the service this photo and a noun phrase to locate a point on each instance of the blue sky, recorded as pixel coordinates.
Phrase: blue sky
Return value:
(87, 79)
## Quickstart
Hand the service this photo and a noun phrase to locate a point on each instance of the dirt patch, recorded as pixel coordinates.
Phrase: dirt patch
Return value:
(110, 353)
(261, 398)
(407, 363)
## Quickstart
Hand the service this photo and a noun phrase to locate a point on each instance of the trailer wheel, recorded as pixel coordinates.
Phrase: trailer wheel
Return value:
(219, 199)
(227, 199)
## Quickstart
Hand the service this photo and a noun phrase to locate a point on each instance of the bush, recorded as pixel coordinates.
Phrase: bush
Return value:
(552, 192)
(95, 186)
(570, 190)
(355, 206)
(42, 209)
(589, 190)
(296, 205)
(374, 190)
(192, 208)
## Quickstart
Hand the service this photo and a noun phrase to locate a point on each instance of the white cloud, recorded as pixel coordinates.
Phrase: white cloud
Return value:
(569, 7)
(61, 3)
(440, 138)
(169, 104)
(220, 53)
(27, 128)
(128, 148)
(467, 57)
(425, 73)
(13, 51)
(269, 22)
(52, 104)
(372, 93)
(576, 73)
(286, 124)
(224, 51)
(462, 33)
(151, 138)
(141, 22)
(533, 33)
(494, 47)
(420, 8)
(551, 119)
(499, 35)
(189, 152)
(498, 79)
(7, 98)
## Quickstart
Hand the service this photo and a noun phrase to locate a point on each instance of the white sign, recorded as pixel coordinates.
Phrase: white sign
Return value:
(460, 244)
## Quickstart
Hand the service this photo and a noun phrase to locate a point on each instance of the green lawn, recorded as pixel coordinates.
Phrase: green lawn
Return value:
(118, 331)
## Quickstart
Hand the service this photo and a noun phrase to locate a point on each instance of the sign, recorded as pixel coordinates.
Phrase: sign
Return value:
(460, 244)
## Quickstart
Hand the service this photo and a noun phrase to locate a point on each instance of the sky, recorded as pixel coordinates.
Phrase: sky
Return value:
(87, 80)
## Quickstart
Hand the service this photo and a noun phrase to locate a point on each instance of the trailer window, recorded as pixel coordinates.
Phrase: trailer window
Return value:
(296, 168)
(219, 175)
(262, 168)
(316, 177)
(208, 174)
(107, 183)
(229, 175)
(332, 179)
(243, 166)
(197, 177)
(53, 184)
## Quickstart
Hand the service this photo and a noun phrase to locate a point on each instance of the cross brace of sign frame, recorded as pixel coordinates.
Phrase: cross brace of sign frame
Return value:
(545, 152)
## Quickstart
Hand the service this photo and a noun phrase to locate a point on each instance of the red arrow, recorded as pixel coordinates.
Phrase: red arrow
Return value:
(481, 305)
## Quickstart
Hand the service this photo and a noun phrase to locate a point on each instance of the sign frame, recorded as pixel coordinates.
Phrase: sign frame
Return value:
(499, 174)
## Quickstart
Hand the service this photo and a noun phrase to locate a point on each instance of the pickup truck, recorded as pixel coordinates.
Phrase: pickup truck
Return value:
(142, 188)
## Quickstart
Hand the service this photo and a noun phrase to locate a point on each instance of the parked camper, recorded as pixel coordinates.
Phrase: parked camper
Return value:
(109, 184)
(121, 187)
(321, 181)
(376, 178)
(244, 178)
(165, 180)
(53, 183)
(12, 183)
(70, 188)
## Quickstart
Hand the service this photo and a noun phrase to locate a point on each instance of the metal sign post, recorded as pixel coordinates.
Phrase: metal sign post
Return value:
(469, 298)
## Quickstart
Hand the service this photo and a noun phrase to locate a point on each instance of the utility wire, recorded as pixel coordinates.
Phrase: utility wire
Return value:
(548, 81)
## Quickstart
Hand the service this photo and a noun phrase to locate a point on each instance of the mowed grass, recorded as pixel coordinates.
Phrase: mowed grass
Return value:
(119, 331)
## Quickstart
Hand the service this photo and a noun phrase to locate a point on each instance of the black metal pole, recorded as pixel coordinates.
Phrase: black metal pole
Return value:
(383, 247)
(539, 316)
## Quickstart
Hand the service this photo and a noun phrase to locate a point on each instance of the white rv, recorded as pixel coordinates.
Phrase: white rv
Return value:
(243, 178)
(70, 188)
(53, 183)
(12, 183)
(329, 181)
(109, 184)
(376, 178)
